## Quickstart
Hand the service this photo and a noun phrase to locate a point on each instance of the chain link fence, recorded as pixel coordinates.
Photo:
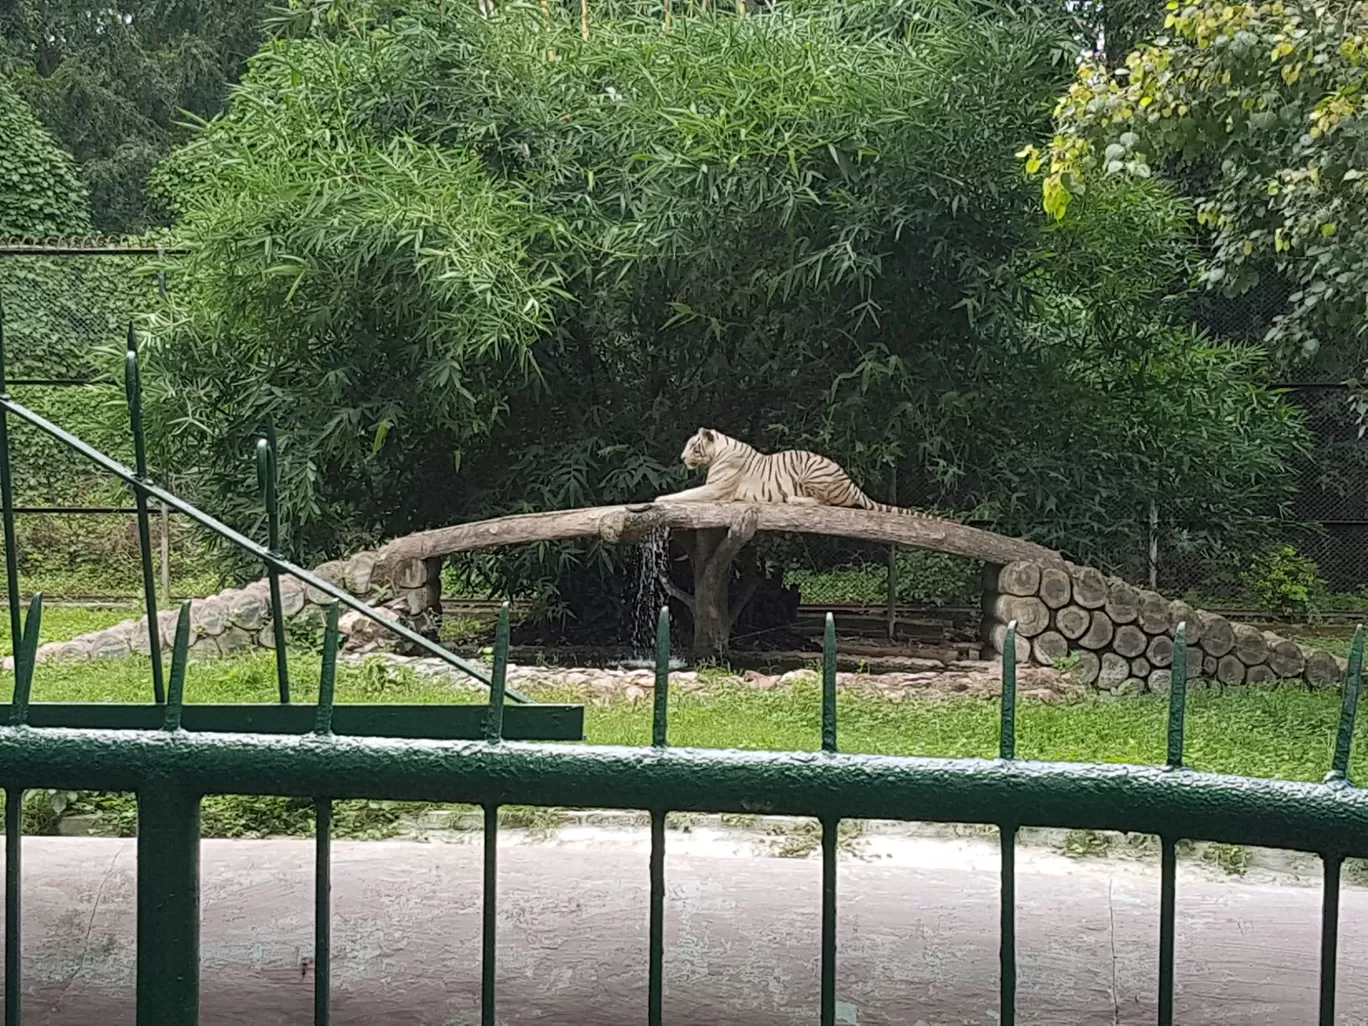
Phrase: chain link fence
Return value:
(68, 305)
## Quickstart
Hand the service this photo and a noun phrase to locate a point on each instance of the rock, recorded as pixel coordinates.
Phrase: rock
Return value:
(356, 577)
(234, 639)
(291, 596)
(249, 612)
(1042, 695)
(113, 642)
(1113, 670)
(209, 616)
(334, 572)
(206, 646)
(634, 694)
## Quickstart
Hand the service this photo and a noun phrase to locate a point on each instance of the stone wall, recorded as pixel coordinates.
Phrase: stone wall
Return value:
(1120, 638)
(240, 618)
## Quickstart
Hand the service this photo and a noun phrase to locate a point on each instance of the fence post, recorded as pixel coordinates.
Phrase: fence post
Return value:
(168, 954)
(1154, 546)
(892, 559)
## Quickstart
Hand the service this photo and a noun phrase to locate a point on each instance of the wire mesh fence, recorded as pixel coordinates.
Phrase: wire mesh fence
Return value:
(68, 305)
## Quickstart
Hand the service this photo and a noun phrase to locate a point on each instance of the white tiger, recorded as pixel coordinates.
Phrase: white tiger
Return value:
(738, 472)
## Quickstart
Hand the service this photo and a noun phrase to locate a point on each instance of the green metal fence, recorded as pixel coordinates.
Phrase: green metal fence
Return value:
(171, 755)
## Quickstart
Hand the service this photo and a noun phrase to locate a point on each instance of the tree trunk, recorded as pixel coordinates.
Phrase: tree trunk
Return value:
(1072, 622)
(1123, 602)
(711, 553)
(1250, 645)
(1130, 641)
(1055, 587)
(1099, 632)
(1049, 647)
(1019, 578)
(1089, 587)
(1028, 611)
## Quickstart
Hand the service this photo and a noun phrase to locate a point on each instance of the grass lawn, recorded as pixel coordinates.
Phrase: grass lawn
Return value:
(62, 623)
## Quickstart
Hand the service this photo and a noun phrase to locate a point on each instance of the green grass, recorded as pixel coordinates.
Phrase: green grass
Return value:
(62, 623)
(1273, 732)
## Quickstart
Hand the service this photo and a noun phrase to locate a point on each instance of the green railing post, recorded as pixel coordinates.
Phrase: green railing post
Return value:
(830, 829)
(1007, 835)
(493, 735)
(133, 390)
(168, 905)
(268, 478)
(660, 739)
(327, 683)
(25, 651)
(1333, 861)
(7, 497)
(1168, 844)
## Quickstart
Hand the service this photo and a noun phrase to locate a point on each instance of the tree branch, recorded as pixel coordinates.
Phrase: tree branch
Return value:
(676, 592)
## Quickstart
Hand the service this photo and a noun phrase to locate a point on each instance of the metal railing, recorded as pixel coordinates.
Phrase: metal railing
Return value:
(171, 767)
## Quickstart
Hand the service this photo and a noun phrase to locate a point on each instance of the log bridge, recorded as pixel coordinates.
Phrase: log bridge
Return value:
(712, 535)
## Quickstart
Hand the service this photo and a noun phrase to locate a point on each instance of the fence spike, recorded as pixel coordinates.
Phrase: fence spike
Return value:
(133, 392)
(267, 482)
(829, 685)
(660, 712)
(25, 660)
(660, 738)
(1177, 697)
(1007, 729)
(1353, 684)
(180, 656)
(7, 498)
(498, 679)
(327, 677)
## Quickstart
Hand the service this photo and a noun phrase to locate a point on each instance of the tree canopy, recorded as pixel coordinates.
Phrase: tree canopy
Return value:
(475, 265)
(1257, 111)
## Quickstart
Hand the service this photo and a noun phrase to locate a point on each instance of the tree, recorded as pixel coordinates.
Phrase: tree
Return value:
(40, 193)
(112, 82)
(479, 265)
(1257, 110)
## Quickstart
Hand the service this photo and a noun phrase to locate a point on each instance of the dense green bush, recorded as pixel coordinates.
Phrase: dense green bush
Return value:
(463, 278)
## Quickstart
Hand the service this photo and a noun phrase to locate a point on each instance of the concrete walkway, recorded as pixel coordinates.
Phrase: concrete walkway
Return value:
(918, 939)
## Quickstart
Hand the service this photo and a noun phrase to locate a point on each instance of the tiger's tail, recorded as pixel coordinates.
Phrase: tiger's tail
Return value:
(865, 502)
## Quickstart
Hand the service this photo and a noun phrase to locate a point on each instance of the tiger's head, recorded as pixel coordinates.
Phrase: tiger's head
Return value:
(700, 449)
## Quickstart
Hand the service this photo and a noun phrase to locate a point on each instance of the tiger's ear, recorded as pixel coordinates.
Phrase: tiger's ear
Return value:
(707, 434)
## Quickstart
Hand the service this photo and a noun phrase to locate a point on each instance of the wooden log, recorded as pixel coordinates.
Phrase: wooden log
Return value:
(1285, 657)
(1153, 615)
(1321, 668)
(1159, 681)
(1020, 577)
(1089, 587)
(631, 523)
(1071, 621)
(1229, 669)
(1099, 632)
(1209, 666)
(1056, 589)
(1250, 645)
(1140, 668)
(1218, 637)
(1113, 670)
(1181, 612)
(1129, 641)
(1087, 667)
(1049, 647)
(1260, 674)
(1160, 651)
(1032, 615)
(1123, 602)
(997, 639)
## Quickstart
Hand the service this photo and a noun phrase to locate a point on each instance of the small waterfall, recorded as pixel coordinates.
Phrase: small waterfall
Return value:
(652, 567)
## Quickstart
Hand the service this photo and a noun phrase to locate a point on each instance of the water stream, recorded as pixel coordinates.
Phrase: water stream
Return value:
(649, 596)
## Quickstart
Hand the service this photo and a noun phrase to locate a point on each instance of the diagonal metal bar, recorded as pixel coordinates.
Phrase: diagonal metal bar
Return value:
(248, 545)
